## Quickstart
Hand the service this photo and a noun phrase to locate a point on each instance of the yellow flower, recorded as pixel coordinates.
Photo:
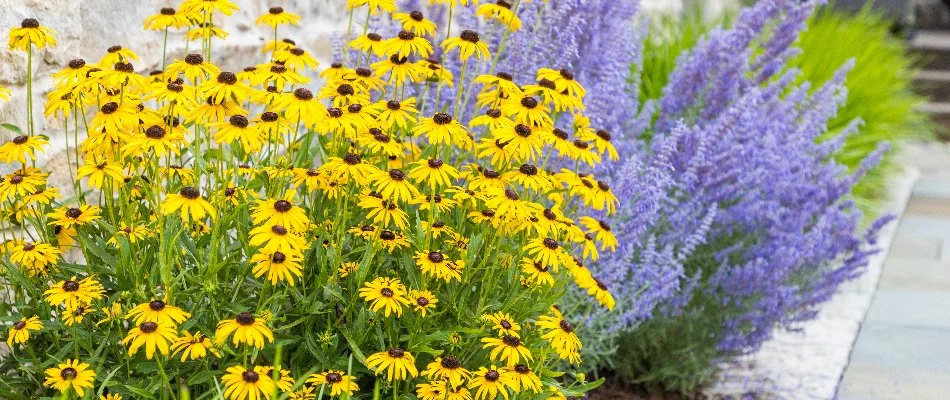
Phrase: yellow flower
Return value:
(158, 311)
(407, 43)
(443, 129)
(153, 335)
(115, 55)
(193, 67)
(399, 69)
(112, 396)
(246, 384)
(564, 80)
(70, 374)
(503, 323)
(296, 59)
(387, 294)
(189, 203)
(277, 16)
(4, 94)
(246, 329)
(75, 315)
(73, 293)
(337, 381)
(374, 5)
(193, 347)
(416, 23)
(22, 147)
(38, 258)
(602, 231)
(437, 265)
(524, 378)
(273, 238)
(489, 383)
(502, 12)
(209, 6)
(302, 106)
(74, 216)
(278, 266)
(469, 44)
(392, 185)
(157, 140)
(238, 130)
(424, 301)
(447, 368)
(166, 18)
(560, 333)
(99, 172)
(508, 348)
(536, 272)
(370, 43)
(31, 33)
(20, 331)
(398, 364)
(225, 87)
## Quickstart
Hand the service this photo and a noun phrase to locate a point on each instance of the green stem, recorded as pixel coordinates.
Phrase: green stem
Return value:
(165, 49)
(29, 87)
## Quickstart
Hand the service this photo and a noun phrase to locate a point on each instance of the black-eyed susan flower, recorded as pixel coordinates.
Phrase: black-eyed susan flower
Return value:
(433, 173)
(398, 363)
(338, 382)
(167, 18)
(375, 6)
(194, 68)
(397, 113)
(392, 185)
(547, 251)
(193, 347)
(157, 140)
(407, 43)
(304, 393)
(277, 16)
(38, 258)
(19, 184)
(20, 331)
(536, 273)
(501, 11)
(246, 329)
(524, 378)
(525, 142)
(153, 336)
(602, 142)
(350, 168)
(469, 44)
(529, 111)
(433, 71)
(608, 241)
(189, 204)
(437, 265)
(302, 106)
(560, 334)
(448, 368)
(158, 311)
(238, 129)
(100, 172)
(423, 301)
(226, 7)
(279, 76)
(225, 86)
(272, 238)
(399, 69)
(416, 23)
(31, 33)
(387, 294)
(117, 54)
(110, 313)
(347, 268)
(70, 374)
(598, 290)
(22, 147)
(489, 383)
(278, 266)
(297, 59)
(110, 396)
(370, 43)
(383, 212)
(564, 80)
(503, 323)
(248, 384)
(73, 293)
(75, 315)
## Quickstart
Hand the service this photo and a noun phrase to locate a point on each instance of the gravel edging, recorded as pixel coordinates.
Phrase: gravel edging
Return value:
(808, 363)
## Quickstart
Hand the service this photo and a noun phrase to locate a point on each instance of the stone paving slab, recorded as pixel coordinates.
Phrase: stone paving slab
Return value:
(911, 307)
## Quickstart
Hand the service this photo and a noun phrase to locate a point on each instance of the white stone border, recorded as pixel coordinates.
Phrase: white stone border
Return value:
(808, 363)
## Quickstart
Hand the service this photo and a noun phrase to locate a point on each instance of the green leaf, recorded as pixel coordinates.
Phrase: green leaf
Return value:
(12, 128)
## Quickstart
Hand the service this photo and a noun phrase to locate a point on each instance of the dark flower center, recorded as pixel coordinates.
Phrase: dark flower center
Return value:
(19, 325)
(560, 134)
(77, 63)
(278, 69)
(396, 352)
(523, 130)
(603, 186)
(492, 376)
(297, 51)
(291, 42)
(540, 267)
(566, 326)
(416, 15)
(379, 137)
(190, 193)
(156, 305)
(148, 327)
(529, 102)
(435, 163)
(30, 23)
(269, 116)
(114, 49)
(491, 174)
(67, 373)
(567, 75)
(168, 11)
(373, 36)
(397, 175)
(334, 377)
(505, 324)
(600, 284)
(20, 139)
(511, 195)
(511, 340)
(442, 118)
(451, 362)
(278, 230)
(155, 132)
(354, 108)
(70, 286)
(335, 112)
(250, 376)
(506, 76)
(174, 87)
(278, 257)
(276, 10)
(283, 206)
(436, 257)
(110, 107)
(345, 90)
(194, 59)
(469, 36)
(124, 67)
(73, 213)
(352, 159)
(438, 224)
(245, 318)
(395, 59)
(29, 247)
(387, 235)
(16, 179)
(603, 134)
(493, 113)
(239, 121)
(528, 169)
(386, 292)
(303, 94)
(580, 144)
(227, 78)
(407, 35)
(488, 213)
(503, 4)
(550, 243)
(547, 83)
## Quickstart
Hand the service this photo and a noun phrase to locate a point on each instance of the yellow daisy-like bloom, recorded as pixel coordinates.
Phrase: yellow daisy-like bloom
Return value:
(564, 80)
(393, 185)
(193, 67)
(277, 16)
(238, 129)
(112, 313)
(31, 33)
(152, 335)
(4, 94)
(525, 142)
(273, 238)
(399, 69)
(38, 258)
(529, 111)
(503, 323)
(447, 368)
(302, 106)
(349, 167)
(433, 72)
(536, 273)
(158, 311)
(278, 267)
(407, 43)
(597, 289)
(370, 43)
(167, 18)
(20, 331)
(443, 129)
(71, 374)
(337, 381)
(74, 216)
(193, 347)
(489, 383)
(524, 378)
(22, 147)
(374, 5)
(98, 172)
(72, 293)
(547, 251)
(246, 384)
(437, 265)
(189, 203)
(398, 364)
(111, 396)
(508, 348)
(347, 268)
(602, 231)
(502, 12)
(296, 59)
(469, 44)
(225, 87)
(279, 76)
(115, 55)
(75, 315)
(246, 329)
(560, 333)
(209, 6)
(305, 393)
(433, 172)
(424, 301)
(416, 23)
(387, 294)
(397, 113)
(156, 140)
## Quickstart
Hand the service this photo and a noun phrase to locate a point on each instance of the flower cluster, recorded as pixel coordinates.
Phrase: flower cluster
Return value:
(256, 233)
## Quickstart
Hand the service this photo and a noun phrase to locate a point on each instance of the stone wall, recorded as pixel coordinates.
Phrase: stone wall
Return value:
(88, 27)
